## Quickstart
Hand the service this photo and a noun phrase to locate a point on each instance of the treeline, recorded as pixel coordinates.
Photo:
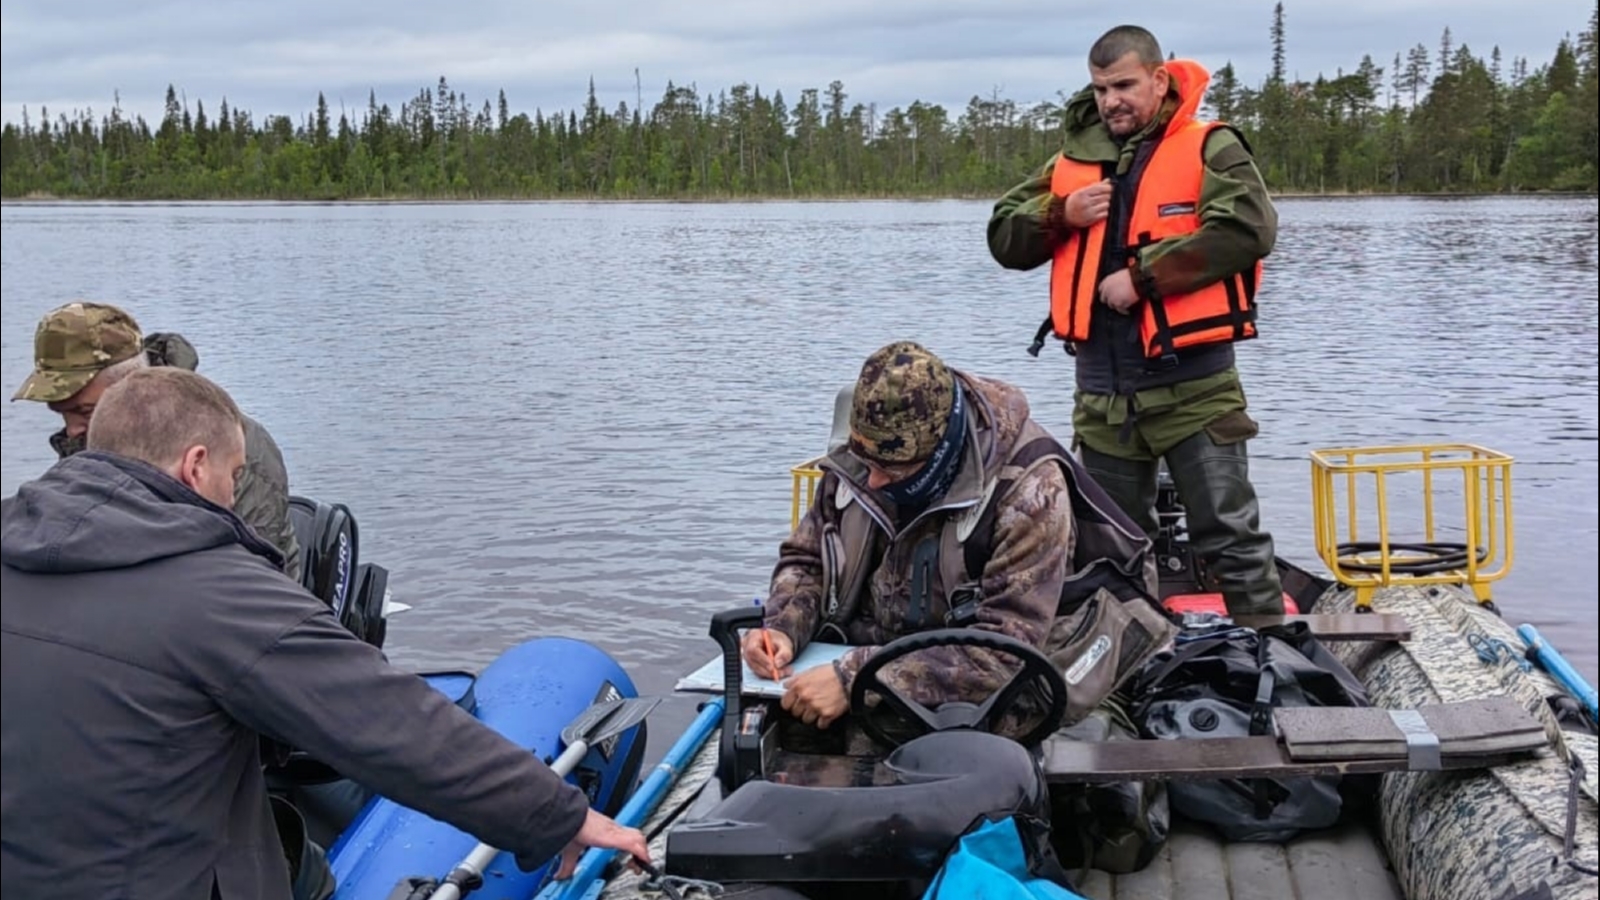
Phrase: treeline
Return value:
(1432, 119)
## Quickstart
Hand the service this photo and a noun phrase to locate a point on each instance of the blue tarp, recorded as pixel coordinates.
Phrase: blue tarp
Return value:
(989, 864)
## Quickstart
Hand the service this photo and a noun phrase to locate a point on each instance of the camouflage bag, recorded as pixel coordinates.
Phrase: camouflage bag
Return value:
(1106, 627)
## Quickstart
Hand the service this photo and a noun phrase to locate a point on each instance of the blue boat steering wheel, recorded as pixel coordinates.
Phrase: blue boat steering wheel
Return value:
(1037, 671)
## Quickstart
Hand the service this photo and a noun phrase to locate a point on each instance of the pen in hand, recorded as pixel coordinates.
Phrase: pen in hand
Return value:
(766, 644)
(772, 657)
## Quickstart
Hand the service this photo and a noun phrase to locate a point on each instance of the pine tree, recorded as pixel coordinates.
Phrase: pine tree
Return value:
(1279, 56)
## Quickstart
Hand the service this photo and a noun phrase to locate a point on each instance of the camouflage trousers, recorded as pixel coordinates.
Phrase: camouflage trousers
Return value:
(1151, 422)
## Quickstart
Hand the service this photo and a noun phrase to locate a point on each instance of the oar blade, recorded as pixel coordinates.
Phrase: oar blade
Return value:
(609, 719)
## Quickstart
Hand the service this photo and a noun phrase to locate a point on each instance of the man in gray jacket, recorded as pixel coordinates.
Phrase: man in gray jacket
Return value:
(150, 638)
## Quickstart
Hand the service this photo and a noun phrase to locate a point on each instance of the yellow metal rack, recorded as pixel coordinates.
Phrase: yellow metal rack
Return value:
(1480, 556)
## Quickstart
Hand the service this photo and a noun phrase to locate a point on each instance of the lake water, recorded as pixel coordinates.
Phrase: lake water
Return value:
(578, 419)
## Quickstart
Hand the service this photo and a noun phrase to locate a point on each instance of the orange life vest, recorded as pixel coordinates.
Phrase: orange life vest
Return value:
(1166, 205)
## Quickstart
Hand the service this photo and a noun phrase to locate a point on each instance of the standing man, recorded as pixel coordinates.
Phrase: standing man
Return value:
(1155, 224)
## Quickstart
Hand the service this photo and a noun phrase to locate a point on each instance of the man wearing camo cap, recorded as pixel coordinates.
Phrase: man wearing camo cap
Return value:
(948, 506)
(82, 348)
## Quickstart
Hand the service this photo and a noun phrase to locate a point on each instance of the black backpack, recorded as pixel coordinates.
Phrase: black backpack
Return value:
(1223, 681)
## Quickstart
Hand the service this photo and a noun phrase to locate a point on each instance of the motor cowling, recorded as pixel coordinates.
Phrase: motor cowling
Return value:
(332, 570)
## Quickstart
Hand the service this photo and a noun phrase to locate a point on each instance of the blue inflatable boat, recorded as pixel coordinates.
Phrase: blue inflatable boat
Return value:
(529, 694)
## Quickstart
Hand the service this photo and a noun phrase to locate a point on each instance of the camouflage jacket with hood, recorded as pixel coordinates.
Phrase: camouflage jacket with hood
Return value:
(261, 495)
(847, 567)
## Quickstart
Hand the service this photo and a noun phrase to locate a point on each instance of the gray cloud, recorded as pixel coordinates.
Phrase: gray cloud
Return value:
(274, 58)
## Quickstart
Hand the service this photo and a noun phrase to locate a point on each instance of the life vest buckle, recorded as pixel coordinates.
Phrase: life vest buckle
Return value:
(1166, 362)
(964, 610)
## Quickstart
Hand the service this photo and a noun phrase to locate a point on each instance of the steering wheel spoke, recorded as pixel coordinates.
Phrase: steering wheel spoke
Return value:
(908, 708)
(1036, 671)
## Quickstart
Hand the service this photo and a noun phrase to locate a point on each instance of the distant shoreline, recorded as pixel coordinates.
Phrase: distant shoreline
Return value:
(50, 200)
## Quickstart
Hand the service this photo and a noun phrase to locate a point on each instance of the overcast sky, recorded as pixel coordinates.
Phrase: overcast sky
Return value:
(273, 57)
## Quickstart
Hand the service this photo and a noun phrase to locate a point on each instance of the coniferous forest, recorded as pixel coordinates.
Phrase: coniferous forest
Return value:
(1440, 118)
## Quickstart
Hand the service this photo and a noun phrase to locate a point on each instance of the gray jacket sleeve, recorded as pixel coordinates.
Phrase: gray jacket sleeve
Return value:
(261, 495)
(275, 659)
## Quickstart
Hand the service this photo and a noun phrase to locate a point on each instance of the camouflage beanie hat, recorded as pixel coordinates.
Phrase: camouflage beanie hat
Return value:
(902, 404)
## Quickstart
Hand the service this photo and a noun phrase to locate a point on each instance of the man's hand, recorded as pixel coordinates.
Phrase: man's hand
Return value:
(1086, 206)
(601, 831)
(816, 697)
(1117, 291)
(773, 666)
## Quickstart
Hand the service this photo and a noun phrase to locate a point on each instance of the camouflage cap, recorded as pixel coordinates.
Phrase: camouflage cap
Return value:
(901, 405)
(72, 344)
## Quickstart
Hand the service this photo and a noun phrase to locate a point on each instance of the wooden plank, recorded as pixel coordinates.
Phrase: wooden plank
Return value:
(1209, 759)
(1340, 626)
(1494, 724)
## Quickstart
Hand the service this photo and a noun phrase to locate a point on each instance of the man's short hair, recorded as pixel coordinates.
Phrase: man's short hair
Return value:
(155, 415)
(1122, 40)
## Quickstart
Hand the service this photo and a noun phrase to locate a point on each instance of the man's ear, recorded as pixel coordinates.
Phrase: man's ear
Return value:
(1163, 80)
(191, 463)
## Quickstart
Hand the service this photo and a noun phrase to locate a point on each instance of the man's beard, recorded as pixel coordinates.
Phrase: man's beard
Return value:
(66, 446)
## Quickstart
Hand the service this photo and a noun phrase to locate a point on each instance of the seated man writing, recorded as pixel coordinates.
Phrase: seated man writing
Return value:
(949, 506)
(81, 349)
(150, 639)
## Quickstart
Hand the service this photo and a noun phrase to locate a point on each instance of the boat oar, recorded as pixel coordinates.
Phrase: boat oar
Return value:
(640, 806)
(1562, 671)
(597, 723)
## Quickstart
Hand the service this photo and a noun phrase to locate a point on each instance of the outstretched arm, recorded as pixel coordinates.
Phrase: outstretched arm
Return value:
(276, 660)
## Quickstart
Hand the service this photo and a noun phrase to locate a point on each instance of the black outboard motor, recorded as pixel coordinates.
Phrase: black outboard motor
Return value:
(330, 545)
(1176, 562)
(1183, 572)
